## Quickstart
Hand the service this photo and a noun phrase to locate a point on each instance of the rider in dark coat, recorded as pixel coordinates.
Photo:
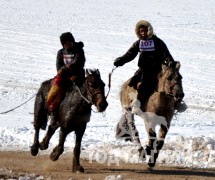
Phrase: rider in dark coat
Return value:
(153, 52)
(70, 66)
(70, 59)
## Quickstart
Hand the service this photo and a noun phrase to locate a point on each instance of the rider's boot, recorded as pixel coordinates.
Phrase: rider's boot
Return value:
(142, 95)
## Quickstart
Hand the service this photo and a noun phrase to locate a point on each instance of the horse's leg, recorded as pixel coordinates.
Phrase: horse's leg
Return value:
(151, 149)
(76, 167)
(152, 142)
(58, 150)
(130, 118)
(51, 130)
(40, 121)
(162, 134)
(35, 146)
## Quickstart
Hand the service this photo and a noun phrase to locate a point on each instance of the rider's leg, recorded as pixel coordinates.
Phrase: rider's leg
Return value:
(146, 86)
(135, 79)
(54, 96)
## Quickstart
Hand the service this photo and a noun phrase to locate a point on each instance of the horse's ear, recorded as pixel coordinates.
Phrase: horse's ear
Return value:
(178, 65)
(164, 67)
(97, 72)
(172, 64)
(88, 72)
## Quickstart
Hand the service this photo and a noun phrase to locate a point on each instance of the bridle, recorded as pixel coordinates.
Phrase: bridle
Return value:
(98, 91)
(171, 87)
(171, 83)
(89, 94)
(92, 94)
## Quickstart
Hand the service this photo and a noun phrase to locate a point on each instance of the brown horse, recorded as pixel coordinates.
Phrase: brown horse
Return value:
(157, 110)
(74, 114)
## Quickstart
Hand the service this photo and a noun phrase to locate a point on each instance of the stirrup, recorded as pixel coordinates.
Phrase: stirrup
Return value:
(52, 112)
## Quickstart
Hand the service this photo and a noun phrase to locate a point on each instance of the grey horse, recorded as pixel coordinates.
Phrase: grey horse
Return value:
(74, 114)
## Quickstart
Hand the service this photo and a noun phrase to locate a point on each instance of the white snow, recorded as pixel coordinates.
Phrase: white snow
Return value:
(29, 41)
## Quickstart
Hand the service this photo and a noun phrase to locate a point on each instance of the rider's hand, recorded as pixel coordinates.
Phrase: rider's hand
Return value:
(117, 62)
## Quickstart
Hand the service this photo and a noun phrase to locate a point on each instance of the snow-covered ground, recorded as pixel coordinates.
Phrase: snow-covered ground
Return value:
(29, 40)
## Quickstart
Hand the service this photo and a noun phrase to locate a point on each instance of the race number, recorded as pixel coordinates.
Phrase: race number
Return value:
(147, 45)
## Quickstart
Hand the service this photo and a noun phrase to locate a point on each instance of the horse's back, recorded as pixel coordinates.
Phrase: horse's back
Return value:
(45, 86)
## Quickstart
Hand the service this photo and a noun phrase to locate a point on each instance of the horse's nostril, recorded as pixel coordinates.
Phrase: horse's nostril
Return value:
(105, 105)
(102, 106)
(181, 95)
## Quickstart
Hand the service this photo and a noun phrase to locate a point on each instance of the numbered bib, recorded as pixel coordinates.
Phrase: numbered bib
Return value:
(67, 58)
(147, 45)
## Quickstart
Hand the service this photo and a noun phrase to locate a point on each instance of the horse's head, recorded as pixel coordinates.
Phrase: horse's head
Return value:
(172, 80)
(95, 88)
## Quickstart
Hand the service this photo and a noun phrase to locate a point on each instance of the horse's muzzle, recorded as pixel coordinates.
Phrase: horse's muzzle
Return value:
(179, 96)
(102, 105)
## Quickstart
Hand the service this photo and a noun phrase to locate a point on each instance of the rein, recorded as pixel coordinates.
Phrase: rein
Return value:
(91, 94)
(88, 101)
(18, 106)
(97, 92)
(109, 80)
(88, 91)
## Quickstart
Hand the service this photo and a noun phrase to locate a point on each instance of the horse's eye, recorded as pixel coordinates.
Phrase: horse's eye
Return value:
(178, 77)
(94, 85)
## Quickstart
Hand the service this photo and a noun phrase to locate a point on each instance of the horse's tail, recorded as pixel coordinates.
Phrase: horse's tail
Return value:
(127, 94)
(40, 106)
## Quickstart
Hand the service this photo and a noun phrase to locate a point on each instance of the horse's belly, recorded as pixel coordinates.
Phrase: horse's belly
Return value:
(79, 117)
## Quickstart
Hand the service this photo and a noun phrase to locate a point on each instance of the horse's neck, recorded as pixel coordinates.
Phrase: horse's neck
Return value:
(161, 84)
(83, 88)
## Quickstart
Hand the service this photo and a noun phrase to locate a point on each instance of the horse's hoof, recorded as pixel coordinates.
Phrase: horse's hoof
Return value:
(43, 147)
(78, 170)
(54, 156)
(152, 162)
(34, 150)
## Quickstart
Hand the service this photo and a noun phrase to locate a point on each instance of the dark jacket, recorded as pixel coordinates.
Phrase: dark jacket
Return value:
(150, 58)
(74, 65)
